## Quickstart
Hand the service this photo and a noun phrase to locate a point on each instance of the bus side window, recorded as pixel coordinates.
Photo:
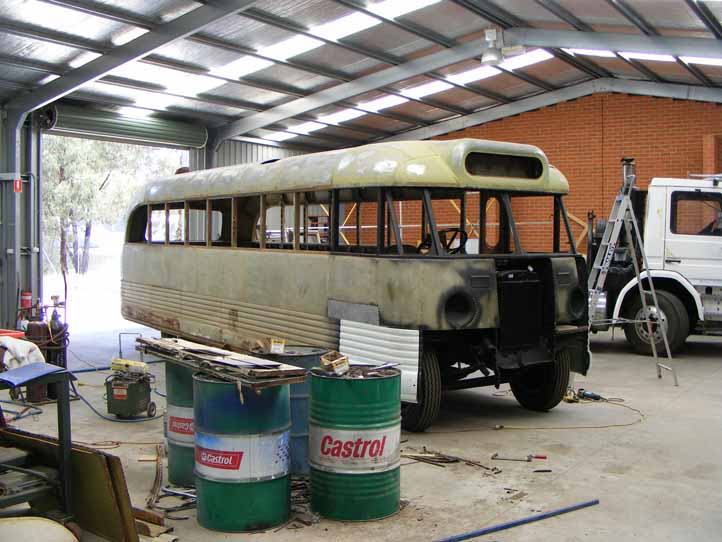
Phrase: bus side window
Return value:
(176, 223)
(197, 222)
(137, 225)
(157, 224)
(221, 222)
(247, 218)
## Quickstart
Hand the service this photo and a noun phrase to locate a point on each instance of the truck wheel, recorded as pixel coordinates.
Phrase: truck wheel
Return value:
(673, 315)
(418, 416)
(542, 387)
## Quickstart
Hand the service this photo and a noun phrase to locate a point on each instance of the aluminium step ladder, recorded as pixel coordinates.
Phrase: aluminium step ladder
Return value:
(623, 219)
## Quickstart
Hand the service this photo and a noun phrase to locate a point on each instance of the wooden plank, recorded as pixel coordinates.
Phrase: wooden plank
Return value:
(149, 516)
(185, 353)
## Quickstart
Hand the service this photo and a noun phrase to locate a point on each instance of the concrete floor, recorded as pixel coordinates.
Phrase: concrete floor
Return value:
(657, 480)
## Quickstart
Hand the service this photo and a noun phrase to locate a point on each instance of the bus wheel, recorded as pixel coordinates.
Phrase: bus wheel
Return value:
(541, 387)
(672, 315)
(418, 416)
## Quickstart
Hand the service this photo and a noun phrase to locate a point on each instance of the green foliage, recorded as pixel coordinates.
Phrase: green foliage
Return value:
(88, 181)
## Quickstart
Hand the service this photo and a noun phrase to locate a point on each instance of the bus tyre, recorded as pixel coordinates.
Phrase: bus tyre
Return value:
(419, 416)
(542, 387)
(673, 314)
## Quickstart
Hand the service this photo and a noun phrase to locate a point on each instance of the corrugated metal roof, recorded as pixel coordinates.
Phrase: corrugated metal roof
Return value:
(279, 51)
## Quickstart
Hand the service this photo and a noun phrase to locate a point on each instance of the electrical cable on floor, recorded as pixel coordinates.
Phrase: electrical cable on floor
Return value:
(113, 444)
(572, 397)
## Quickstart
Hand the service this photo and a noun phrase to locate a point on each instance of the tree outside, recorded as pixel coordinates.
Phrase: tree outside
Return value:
(88, 183)
(87, 186)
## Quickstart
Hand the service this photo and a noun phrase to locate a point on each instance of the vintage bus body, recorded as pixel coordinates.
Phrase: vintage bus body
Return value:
(201, 262)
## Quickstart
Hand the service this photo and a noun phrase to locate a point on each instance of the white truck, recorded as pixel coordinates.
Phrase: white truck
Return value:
(682, 229)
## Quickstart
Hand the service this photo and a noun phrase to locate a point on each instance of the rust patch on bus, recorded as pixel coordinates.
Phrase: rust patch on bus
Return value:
(233, 318)
(150, 319)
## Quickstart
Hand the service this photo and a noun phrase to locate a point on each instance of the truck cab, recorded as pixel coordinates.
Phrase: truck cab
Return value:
(682, 223)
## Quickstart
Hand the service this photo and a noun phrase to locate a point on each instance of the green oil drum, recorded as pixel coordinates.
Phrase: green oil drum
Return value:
(306, 357)
(241, 455)
(354, 434)
(179, 423)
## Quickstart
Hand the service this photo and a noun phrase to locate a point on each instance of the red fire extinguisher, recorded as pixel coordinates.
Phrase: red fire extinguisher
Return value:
(26, 299)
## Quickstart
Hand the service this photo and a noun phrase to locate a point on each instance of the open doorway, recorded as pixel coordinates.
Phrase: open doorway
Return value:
(87, 185)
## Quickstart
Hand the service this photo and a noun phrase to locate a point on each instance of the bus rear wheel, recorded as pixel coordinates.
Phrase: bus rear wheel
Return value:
(419, 416)
(542, 387)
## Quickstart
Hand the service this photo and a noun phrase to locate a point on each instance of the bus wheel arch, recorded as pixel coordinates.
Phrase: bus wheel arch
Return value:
(419, 416)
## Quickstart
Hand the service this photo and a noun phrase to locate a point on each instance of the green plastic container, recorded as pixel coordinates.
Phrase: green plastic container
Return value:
(241, 455)
(179, 424)
(355, 429)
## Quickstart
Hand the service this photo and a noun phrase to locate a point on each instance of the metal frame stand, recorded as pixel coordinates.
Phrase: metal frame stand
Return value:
(622, 215)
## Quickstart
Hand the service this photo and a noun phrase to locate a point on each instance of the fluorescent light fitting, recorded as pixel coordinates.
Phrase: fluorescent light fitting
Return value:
(306, 127)
(647, 56)
(345, 26)
(702, 60)
(47, 79)
(242, 66)
(133, 112)
(427, 89)
(152, 100)
(476, 74)
(382, 103)
(341, 116)
(591, 52)
(294, 46)
(279, 136)
(127, 35)
(82, 59)
(527, 59)
(391, 9)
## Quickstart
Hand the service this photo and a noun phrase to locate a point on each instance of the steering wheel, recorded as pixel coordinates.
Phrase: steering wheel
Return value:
(426, 244)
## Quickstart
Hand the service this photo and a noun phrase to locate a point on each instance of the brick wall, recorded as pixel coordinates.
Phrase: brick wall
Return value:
(586, 138)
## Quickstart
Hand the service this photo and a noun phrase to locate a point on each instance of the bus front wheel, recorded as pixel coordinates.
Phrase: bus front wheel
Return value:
(542, 387)
(419, 416)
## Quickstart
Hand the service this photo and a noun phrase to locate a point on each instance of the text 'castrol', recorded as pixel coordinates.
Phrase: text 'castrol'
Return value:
(374, 450)
(219, 459)
(358, 448)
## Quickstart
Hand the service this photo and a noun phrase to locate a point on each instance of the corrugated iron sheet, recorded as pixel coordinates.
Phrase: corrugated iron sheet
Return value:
(366, 343)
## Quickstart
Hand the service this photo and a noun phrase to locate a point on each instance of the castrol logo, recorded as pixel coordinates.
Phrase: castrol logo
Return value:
(183, 426)
(361, 450)
(358, 448)
(219, 459)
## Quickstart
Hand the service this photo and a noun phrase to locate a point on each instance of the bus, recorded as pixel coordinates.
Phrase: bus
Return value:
(395, 252)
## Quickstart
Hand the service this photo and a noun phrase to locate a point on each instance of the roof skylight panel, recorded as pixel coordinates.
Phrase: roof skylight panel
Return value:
(591, 52)
(647, 56)
(702, 60)
(526, 59)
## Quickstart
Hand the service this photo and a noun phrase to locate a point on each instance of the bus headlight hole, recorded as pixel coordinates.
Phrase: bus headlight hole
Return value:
(577, 303)
(460, 309)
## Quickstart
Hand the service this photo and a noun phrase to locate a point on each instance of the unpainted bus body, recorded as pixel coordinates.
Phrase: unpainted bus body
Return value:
(374, 307)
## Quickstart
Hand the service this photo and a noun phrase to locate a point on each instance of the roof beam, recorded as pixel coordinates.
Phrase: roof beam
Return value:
(640, 88)
(645, 27)
(611, 41)
(350, 89)
(572, 20)
(705, 15)
(140, 47)
(505, 19)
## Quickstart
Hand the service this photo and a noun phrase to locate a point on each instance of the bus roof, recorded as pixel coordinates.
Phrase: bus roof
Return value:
(459, 163)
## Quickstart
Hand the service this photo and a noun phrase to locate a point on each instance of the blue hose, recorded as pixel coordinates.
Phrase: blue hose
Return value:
(516, 523)
(34, 410)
